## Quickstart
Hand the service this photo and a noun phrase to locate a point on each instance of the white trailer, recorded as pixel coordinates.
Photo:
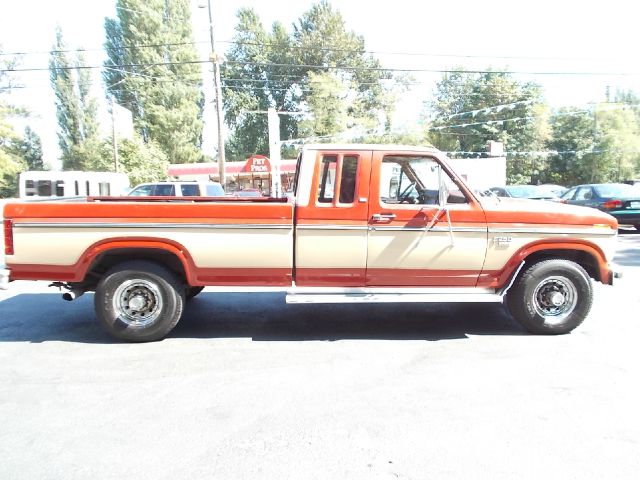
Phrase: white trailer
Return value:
(49, 184)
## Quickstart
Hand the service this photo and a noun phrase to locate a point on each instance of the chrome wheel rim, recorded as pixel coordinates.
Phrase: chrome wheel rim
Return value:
(555, 298)
(138, 303)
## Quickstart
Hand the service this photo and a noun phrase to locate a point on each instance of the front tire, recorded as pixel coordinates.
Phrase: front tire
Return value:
(551, 297)
(139, 301)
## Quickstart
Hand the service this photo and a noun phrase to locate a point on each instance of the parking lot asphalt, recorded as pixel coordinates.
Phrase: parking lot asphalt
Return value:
(247, 387)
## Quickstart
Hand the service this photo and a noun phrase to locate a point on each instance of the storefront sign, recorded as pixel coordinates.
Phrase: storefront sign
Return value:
(257, 164)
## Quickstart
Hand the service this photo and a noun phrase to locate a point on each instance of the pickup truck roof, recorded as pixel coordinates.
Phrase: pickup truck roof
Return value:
(373, 147)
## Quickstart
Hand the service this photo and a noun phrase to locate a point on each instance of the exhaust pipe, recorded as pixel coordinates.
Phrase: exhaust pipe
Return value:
(72, 294)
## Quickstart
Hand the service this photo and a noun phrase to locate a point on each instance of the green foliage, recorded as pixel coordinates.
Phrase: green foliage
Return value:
(461, 92)
(164, 90)
(30, 148)
(326, 101)
(11, 163)
(142, 162)
(320, 70)
(76, 110)
(595, 146)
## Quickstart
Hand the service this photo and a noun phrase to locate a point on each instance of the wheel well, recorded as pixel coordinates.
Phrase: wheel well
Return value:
(582, 258)
(103, 262)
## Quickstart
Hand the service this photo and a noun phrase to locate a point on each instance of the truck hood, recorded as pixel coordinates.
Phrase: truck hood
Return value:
(516, 210)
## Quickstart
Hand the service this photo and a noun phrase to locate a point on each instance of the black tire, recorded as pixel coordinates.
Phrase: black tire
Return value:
(551, 297)
(637, 226)
(139, 301)
(192, 292)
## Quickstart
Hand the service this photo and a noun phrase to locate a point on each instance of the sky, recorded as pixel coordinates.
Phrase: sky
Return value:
(523, 36)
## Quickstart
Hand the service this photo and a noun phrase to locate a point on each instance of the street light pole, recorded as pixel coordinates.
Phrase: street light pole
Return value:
(216, 83)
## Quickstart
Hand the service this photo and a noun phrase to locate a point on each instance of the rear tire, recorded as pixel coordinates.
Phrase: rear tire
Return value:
(551, 297)
(139, 301)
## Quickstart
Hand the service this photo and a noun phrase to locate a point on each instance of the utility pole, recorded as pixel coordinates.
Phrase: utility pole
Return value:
(275, 146)
(216, 83)
(114, 138)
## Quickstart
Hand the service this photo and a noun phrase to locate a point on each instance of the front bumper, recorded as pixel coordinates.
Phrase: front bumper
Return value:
(4, 279)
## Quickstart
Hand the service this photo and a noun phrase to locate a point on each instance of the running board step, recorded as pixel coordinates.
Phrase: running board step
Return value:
(394, 298)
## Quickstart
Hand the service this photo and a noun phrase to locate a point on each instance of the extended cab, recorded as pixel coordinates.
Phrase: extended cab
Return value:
(368, 223)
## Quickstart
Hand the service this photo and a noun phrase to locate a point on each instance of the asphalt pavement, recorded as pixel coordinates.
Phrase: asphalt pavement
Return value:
(247, 387)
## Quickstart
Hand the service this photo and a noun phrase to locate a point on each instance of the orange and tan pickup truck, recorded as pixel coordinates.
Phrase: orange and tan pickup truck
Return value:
(367, 223)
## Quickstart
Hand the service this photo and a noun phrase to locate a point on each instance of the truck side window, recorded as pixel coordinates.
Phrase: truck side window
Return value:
(338, 187)
(327, 179)
(163, 190)
(348, 179)
(189, 190)
(415, 180)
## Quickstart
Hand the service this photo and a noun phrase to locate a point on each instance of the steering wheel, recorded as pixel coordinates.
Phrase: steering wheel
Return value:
(405, 196)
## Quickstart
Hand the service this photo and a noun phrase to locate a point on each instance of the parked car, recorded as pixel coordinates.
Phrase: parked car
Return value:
(178, 189)
(617, 199)
(551, 189)
(522, 191)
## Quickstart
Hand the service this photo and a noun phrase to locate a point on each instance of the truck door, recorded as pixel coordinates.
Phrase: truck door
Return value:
(331, 218)
(412, 242)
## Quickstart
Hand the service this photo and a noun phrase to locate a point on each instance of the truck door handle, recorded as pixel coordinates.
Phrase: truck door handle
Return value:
(383, 217)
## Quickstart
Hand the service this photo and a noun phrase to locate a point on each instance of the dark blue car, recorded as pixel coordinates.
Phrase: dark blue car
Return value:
(617, 199)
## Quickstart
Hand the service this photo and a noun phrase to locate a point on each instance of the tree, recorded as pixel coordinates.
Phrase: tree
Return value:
(153, 70)
(619, 142)
(31, 149)
(598, 145)
(142, 162)
(320, 70)
(572, 136)
(469, 109)
(11, 164)
(76, 110)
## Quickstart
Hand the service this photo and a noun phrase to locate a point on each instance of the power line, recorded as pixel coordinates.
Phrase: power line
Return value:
(593, 110)
(312, 48)
(426, 70)
(93, 67)
(325, 67)
(82, 50)
(486, 110)
(417, 54)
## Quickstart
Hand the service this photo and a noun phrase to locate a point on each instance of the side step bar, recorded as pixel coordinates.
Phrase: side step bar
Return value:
(442, 297)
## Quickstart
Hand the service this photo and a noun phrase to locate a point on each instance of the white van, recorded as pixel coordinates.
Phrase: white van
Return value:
(178, 189)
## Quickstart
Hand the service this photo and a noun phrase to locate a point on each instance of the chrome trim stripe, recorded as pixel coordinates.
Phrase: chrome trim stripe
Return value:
(556, 231)
(332, 227)
(504, 291)
(433, 229)
(206, 226)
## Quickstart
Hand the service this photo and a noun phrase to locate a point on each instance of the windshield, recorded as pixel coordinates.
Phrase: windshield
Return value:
(617, 190)
(214, 190)
(522, 191)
